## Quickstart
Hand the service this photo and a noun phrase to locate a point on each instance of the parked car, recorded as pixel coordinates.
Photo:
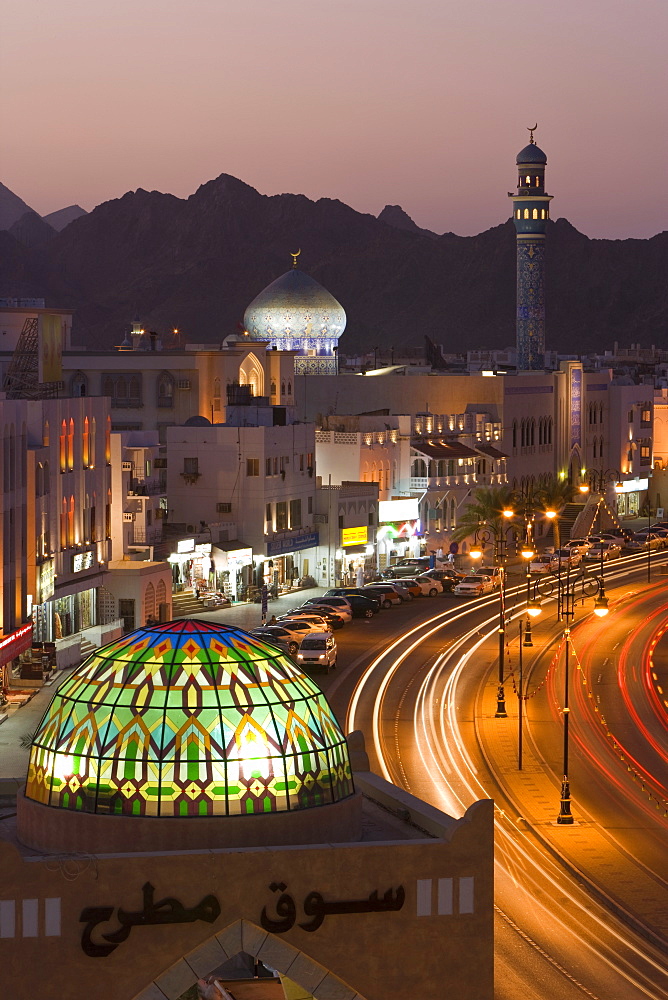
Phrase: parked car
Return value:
(349, 591)
(435, 586)
(385, 593)
(411, 585)
(360, 606)
(274, 640)
(568, 558)
(474, 586)
(581, 544)
(334, 618)
(290, 633)
(606, 536)
(398, 571)
(445, 573)
(318, 649)
(547, 563)
(495, 573)
(340, 605)
(604, 550)
(645, 540)
(310, 617)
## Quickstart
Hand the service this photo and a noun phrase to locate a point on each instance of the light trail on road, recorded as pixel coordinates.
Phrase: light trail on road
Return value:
(440, 750)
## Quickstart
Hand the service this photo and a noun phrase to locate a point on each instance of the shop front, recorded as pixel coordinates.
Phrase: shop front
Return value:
(11, 648)
(288, 559)
(355, 557)
(631, 495)
(64, 608)
(400, 533)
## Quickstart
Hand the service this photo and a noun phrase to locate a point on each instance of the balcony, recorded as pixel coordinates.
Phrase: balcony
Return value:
(422, 483)
(145, 536)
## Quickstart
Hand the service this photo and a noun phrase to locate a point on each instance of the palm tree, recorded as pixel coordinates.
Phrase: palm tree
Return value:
(554, 494)
(486, 508)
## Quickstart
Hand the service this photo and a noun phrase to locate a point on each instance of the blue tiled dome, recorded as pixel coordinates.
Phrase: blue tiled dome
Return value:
(294, 312)
(531, 154)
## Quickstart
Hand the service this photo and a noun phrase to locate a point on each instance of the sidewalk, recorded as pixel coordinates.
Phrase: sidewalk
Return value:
(583, 848)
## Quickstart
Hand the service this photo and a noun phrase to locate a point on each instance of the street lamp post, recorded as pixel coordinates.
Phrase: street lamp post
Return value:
(565, 817)
(482, 536)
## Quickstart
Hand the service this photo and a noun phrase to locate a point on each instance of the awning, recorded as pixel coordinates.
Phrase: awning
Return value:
(77, 586)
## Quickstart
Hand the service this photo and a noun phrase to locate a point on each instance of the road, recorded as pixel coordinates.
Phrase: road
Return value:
(426, 701)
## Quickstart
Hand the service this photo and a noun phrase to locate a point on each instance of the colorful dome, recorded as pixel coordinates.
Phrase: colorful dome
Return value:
(296, 313)
(531, 154)
(188, 718)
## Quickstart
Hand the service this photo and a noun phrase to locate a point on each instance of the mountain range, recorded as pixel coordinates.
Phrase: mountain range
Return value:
(196, 263)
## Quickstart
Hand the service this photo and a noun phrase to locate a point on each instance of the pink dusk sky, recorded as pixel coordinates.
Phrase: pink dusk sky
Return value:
(423, 104)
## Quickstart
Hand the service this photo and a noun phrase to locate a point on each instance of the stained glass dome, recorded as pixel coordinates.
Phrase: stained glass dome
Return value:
(188, 719)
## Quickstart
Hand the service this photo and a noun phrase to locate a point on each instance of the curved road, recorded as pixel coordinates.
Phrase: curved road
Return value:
(420, 700)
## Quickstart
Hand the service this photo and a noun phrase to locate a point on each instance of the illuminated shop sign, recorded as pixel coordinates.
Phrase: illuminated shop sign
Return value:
(81, 561)
(185, 545)
(632, 486)
(204, 549)
(13, 645)
(354, 536)
(282, 546)
(398, 510)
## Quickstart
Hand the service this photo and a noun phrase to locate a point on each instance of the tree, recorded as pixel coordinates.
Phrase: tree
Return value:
(485, 509)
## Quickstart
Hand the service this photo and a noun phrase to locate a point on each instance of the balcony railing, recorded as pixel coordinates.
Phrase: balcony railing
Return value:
(146, 536)
(463, 479)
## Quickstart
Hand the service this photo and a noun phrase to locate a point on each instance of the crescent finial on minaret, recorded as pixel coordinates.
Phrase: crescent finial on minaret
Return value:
(294, 256)
(531, 132)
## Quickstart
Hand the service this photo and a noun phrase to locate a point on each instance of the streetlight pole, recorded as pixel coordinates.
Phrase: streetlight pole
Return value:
(476, 553)
(565, 817)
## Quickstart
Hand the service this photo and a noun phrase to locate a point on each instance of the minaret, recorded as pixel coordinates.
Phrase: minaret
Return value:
(531, 210)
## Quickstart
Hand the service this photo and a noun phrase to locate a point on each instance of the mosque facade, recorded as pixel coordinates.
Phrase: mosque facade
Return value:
(295, 313)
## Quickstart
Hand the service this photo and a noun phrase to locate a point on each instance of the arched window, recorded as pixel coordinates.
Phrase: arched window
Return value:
(216, 394)
(518, 213)
(70, 522)
(600, 413)
(514, 434)
(46, 479)
(526, 213)
(527, 180)
(85, 444)
(549, 431)
(534, 214)
(79, 384)
(537, 181)
(523, 434)
(453, 513)
(63, 524)
(165, 390)
(289, 388)
(121, 389)
(273, 388)
(542, 213)
(63, 447)
(133, 389)
(107, 442)
(419, 468)
(149, 602)
(108, 386)
(282, 388)
(92, 443)
(160, 595)
(70, 445)
(533, 431)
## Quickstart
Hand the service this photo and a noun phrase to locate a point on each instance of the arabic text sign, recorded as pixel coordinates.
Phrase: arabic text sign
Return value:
(354, 536)
(152, 913)
(317, 908)
(576, 406)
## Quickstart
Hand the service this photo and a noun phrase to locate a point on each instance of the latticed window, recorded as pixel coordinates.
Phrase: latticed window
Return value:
(165, 387)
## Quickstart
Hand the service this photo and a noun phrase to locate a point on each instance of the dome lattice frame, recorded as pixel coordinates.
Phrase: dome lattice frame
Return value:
(188, 719)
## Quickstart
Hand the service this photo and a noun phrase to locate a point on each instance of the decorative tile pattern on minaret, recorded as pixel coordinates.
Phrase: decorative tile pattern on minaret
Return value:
(531, 210)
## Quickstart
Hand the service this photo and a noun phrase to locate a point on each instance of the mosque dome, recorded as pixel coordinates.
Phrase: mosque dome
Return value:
(531, 154)
(296, 313)
(188, 719)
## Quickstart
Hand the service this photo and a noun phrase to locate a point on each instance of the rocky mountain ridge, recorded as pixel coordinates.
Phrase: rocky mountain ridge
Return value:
(196, 263)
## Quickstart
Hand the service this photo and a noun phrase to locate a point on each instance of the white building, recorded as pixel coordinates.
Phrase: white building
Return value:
(252, 474)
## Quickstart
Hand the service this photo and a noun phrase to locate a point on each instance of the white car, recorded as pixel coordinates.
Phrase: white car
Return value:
(318, 649)
(544, 564)
(311, 618)
(290, 632)
(605, 551)
(567, 558)
(581, 544)
(474, 586)
(338, 604)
